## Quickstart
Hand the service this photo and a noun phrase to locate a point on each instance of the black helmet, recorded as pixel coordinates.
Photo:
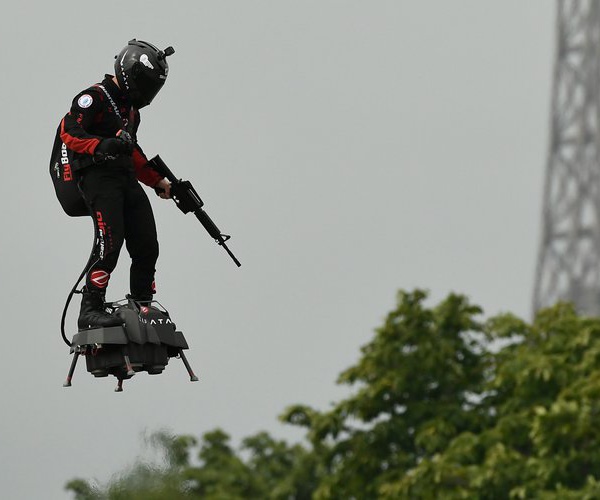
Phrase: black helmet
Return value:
(141, 70)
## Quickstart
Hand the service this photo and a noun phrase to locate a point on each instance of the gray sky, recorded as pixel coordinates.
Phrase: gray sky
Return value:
(351, 148)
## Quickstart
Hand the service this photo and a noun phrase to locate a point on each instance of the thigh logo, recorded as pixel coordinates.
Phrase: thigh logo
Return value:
(101, 234)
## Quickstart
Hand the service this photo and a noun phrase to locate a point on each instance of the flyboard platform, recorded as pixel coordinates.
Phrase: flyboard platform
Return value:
(145, 341)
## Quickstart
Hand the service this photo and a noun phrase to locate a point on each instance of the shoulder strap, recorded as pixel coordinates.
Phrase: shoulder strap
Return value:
(111, 100)
(127, 125)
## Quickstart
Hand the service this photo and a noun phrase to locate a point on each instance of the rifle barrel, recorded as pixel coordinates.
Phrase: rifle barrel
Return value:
(215, 232)
(224, 245)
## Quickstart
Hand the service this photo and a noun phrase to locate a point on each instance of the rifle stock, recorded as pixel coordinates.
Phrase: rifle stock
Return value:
(187, 200)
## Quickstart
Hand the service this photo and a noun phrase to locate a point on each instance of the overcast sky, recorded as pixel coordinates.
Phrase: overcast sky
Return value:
(352, 149)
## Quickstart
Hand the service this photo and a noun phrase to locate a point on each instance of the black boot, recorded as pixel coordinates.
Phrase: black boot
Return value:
(93, 314)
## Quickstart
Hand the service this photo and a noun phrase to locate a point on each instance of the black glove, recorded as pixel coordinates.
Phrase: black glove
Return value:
(114, 147)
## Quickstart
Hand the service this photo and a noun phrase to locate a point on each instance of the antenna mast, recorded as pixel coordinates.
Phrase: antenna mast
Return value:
(568, 267)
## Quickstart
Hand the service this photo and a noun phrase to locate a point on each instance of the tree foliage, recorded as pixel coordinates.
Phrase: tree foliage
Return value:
(444, 405)
(272, 469)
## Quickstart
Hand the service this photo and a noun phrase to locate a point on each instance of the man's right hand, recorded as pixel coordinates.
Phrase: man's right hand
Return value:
(114, 147)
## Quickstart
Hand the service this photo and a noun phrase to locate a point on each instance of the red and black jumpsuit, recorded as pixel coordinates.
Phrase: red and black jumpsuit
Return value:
(118, 204)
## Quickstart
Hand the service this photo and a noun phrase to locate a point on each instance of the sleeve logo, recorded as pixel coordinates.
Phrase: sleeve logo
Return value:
(85, 101)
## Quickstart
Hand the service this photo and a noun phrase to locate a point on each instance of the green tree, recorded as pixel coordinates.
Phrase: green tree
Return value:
(417, 385)
(144, 480)
(273, 470)
(543, 438)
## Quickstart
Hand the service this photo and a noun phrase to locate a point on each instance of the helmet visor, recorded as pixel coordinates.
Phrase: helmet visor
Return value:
(148, 86)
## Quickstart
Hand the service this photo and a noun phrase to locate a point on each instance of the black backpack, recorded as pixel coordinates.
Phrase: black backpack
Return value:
(65, 184)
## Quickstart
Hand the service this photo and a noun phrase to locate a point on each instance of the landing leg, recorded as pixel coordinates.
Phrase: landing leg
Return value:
(119, 387)
(71, 370)
(193, 377)
(128, 367)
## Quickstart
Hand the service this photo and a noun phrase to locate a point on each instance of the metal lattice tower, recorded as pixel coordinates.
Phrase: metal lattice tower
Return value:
(568, 266)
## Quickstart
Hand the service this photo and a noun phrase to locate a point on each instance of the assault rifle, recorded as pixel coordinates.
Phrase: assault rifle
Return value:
(188, 200)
